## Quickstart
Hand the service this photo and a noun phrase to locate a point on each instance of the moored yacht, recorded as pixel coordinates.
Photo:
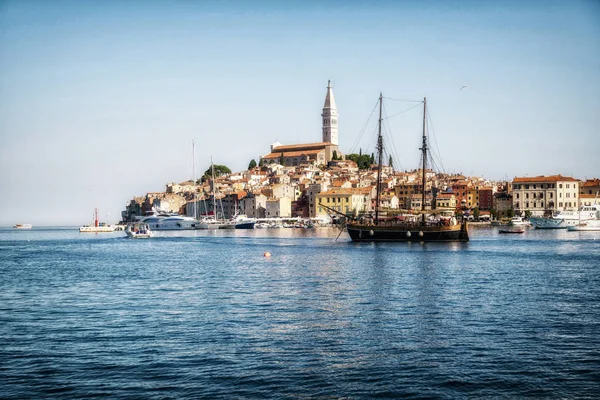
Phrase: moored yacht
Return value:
(566, 218)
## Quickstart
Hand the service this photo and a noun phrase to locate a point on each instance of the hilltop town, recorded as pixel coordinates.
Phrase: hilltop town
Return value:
(297, 181)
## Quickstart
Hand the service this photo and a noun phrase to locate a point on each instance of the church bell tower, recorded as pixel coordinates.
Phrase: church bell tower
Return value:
(330, 118)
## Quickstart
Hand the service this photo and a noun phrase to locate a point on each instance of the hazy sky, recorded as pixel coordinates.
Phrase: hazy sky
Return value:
(100, 100)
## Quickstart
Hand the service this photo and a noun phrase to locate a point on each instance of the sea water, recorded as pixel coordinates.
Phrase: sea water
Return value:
(204, 314)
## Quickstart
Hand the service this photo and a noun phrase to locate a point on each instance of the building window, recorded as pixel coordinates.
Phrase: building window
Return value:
(560, 185)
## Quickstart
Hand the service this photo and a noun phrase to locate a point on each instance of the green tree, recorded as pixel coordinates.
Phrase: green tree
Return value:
(510, 213)
(391, 162)
(281, 159)
(494, 213)
(362, 160)
(219, 170)
(334, 156)
(372, 161)
(476, 213)
(527, 214)
(252, 164)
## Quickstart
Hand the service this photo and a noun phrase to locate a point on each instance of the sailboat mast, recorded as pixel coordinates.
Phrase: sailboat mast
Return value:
(212, 168)
(194, 178)
(424, 150)
(380, 155)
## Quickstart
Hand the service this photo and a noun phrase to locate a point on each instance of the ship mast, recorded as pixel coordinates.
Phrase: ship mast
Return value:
(424, 150)
(380, 155)
(194, 178)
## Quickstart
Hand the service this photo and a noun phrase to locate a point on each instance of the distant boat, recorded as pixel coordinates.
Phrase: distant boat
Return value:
(138, 230)
(512, 230)
(22, 226)
(97, 226)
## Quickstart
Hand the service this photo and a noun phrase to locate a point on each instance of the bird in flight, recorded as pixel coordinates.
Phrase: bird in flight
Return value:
(464, 87)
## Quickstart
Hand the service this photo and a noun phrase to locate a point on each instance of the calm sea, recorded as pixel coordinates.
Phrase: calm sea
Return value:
(206, 315)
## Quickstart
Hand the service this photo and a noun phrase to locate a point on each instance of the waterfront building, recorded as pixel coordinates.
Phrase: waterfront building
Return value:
(445, 201)
(503, 202)
(345, 201)
(254, 205)
(486, 198)
(311, 194)
(543, 195)
(231, 204)
(473, 197)
(590, 186)
(279, 208)
(311, 153)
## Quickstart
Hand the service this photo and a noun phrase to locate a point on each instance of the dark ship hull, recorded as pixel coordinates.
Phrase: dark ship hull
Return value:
(407, 233)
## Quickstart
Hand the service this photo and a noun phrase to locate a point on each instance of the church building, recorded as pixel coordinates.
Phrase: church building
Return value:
(311, 153)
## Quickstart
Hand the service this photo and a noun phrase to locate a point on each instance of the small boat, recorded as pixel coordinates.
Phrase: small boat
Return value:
(585, 226)
(22, 226)
(138, 230)
(513, 230)
(517, 221)
(243, 222)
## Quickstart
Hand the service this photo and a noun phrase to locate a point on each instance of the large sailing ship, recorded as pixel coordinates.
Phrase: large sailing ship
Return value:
(424, 227)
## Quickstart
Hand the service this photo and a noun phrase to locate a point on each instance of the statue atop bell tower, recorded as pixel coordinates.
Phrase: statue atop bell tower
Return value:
(330, 118)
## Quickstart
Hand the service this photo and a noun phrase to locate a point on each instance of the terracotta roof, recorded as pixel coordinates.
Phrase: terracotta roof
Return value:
(591, 182)
(348, 191)
(301, 146)
(276, 155)
(542, 178)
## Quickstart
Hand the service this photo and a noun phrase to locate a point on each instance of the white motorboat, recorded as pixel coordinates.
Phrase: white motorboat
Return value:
(566, 218)
(138, 230)
(518, 221)
(590, 225)
(177, 222)
(22, 226)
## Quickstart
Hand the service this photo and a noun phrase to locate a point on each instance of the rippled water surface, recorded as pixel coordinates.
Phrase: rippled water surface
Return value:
(206, 315)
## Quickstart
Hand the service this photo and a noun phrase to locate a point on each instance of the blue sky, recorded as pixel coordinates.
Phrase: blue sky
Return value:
(100, 100)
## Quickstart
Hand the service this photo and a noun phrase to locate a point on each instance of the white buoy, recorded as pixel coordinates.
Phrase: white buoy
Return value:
(267, 254)
(408, 234)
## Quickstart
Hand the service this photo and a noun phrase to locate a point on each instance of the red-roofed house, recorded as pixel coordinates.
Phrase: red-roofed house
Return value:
(545, 194)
